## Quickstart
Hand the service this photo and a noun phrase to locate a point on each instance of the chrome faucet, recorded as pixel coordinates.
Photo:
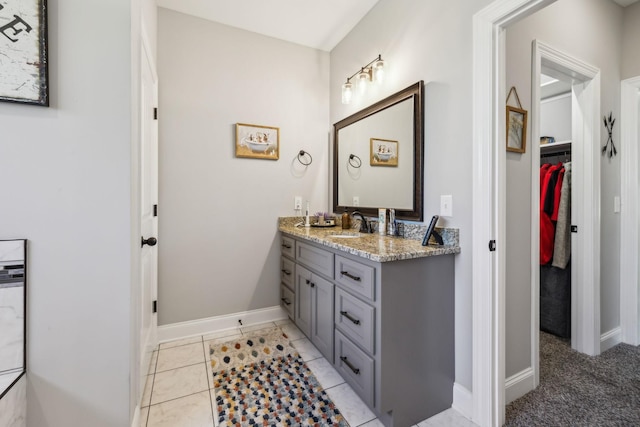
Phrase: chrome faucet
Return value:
(365, 227)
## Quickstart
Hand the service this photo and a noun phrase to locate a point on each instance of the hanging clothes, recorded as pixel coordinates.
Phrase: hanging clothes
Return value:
(548, 206)
(562, 244)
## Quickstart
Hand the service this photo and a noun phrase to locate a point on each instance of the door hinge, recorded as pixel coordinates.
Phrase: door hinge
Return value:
(492, 245)
(155, 210)
(574, 228)
(155, 113)
(154, 309)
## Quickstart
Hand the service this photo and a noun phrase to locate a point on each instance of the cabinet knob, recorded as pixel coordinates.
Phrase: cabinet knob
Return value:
(151, 241)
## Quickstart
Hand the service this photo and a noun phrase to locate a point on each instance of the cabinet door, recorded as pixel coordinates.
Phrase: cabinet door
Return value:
(303, 300)
(322, 316)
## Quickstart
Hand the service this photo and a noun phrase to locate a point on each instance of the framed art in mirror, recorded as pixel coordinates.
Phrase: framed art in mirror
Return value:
(23, 44)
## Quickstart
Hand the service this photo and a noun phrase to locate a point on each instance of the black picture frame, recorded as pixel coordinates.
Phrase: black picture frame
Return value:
(23, 42)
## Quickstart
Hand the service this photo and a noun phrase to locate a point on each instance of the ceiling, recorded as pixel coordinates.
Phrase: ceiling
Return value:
(317, 24)
(625, 3)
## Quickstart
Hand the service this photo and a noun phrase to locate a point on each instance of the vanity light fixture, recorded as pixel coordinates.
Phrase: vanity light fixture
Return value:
(373, 71)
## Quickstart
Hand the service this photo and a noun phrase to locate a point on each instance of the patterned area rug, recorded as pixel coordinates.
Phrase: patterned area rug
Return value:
(261, 380)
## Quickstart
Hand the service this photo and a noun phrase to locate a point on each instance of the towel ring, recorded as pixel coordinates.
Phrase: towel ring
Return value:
(303, 153)
(355, 161)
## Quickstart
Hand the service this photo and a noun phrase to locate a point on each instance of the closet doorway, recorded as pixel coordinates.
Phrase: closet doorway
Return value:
(582, 272)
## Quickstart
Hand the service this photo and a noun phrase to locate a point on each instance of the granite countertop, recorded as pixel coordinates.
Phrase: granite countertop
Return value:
(370, 246)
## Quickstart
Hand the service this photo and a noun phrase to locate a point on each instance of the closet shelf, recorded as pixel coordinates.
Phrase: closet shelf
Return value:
(555, 147)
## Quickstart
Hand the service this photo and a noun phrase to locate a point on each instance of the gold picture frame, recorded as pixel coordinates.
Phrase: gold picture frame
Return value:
(257, 141)
(516, 132)
(383, 152)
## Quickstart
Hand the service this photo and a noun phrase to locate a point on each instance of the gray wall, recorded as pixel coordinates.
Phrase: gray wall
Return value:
(593, 34)
(218, 213)
(631, 38)
(66, 187)
(418, 38)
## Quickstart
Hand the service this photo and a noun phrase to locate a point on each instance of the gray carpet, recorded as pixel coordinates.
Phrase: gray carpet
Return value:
(579, 390)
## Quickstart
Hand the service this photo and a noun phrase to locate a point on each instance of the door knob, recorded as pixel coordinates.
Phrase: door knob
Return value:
(151, 241)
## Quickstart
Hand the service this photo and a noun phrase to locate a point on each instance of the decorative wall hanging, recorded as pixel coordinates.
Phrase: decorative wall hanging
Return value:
(257, 142)
(516, 125)
(384, 152)
(23, 52)
(608, 124)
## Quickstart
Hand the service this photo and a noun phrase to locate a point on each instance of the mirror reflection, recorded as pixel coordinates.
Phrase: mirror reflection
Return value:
(12, 312)
(378, 157)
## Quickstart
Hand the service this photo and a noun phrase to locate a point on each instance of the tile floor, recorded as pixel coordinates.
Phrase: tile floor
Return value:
(178, 390)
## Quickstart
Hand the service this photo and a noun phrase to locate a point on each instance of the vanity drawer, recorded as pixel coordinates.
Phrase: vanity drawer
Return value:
(288, 246)
(287, 300)
(355, 319)
(355, 367)
(356, 277)
(315, 258)
(287, 272)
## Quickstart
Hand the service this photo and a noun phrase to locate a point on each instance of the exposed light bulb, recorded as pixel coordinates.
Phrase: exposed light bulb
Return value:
(378, 71)
(347, 92)
(362, 80)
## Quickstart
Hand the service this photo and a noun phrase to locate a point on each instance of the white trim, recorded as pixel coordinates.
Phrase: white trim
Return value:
(136, 417)
(519, 384)
(554, 97)
(489, 161)
(462, 400)
(630, 188)
(190, 328)
(610, 339)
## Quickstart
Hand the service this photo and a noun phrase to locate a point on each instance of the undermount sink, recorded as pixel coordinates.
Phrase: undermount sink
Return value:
(345, 234)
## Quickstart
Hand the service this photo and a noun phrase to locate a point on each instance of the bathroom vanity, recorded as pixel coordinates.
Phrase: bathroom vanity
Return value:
(381, 309)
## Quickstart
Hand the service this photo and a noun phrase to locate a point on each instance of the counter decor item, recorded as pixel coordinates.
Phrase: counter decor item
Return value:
(257, 141)
(516, 125)
(382, 222)
(23, 43)
(346, 220)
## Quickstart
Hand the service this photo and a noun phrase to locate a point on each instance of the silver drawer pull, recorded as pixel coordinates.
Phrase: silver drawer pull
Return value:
(346, 362)
(348, 316)
(287, 272)
(286, 246)
(350, 276)
(286, 301)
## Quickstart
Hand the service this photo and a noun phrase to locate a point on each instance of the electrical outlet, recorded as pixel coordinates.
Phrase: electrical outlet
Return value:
(446, 205)
(356, 201)
(297, 204)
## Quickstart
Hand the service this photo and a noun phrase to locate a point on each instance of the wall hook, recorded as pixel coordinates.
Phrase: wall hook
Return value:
(301, 156)
(355, 161)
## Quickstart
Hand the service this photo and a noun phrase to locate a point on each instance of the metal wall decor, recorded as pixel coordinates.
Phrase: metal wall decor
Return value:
(23, 52)
(608, 125)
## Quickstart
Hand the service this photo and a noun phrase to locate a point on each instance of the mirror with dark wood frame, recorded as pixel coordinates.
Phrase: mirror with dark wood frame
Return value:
(378, 157)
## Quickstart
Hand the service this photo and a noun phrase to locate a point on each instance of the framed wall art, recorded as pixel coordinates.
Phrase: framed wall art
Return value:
(516, 129)
(23, 44)
(257, 141)
(383, 152)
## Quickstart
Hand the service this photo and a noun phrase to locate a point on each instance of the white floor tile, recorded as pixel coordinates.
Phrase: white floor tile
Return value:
(374, 423)
(350, 405)
(179, 383)
(146, 394)
(292, 331)
(307, 350)
(219, 334)
(257, 327)
(183, 341)
(189, 411)
(144, 414)
(449, 418)
(177, 357)
(325, 373)
(282, 321)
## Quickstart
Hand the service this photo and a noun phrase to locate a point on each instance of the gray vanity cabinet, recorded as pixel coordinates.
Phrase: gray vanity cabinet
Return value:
(287, 276)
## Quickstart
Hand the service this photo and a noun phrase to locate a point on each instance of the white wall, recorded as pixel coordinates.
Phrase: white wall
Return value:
(631, 37)
(555, 117)
(418, 38)
(593, 34)
(218, 250)
(66, 176)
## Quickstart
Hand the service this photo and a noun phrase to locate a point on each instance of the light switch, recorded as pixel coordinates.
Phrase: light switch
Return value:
(446, 205)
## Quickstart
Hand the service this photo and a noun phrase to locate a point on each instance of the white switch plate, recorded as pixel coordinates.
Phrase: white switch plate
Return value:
(616, 204)
(356, 201)
(446, 205)
(297, 204)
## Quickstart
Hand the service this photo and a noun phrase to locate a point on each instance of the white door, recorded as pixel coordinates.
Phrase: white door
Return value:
(148, 212)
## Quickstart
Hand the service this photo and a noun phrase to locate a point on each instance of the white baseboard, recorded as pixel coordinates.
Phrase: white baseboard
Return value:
(462, 401)
(136, 417)
(610, 339)
(518, 385)
(190, 328)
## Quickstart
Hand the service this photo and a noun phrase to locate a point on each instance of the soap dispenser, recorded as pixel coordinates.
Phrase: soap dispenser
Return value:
(346, 220)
